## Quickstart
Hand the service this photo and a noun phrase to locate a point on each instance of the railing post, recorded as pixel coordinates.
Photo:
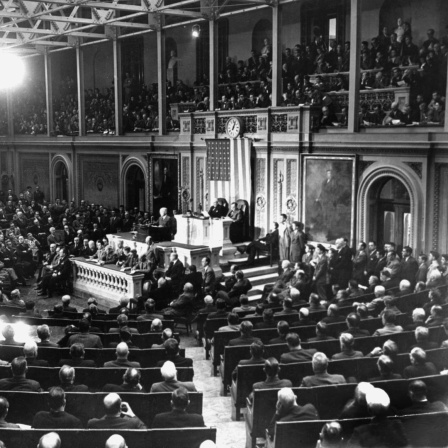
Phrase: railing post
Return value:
(353, 95)
(276, 55)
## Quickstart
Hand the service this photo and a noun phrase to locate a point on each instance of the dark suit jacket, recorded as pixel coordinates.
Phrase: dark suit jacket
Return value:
(178, 419)
(243, 341)
(423, 408)
(297, 413)
(381, 432)
(208, 278)
(175, 271)
(422, 273)
(300, 355)
(322, 379)
(416, 371)
(409, 269)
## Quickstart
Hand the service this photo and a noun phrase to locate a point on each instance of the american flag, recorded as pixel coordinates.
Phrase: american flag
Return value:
(228, 169)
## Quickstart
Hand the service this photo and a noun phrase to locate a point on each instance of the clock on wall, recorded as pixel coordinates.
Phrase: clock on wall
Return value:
(235, 127)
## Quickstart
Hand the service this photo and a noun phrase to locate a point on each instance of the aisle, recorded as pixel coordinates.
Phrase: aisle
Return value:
(216, 409)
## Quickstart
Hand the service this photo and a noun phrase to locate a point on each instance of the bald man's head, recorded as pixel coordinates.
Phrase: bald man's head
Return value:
(50, 440)
(122, 350)
(112, 403)
(115, 441)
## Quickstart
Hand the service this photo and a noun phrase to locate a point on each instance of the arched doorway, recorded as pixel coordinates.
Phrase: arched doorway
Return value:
(262, 30)
(61, 181)
(391, 10)
(390, 212)
(135, 188)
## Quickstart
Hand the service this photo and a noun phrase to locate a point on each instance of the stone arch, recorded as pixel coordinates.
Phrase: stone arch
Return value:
(409, 179)
(62, 158)
(128, 163)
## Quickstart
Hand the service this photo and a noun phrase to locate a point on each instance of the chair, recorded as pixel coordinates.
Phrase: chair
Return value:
(186, 321)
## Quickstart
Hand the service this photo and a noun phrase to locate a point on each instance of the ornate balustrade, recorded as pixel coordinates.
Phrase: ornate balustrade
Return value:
(107, 283)
(258, 123)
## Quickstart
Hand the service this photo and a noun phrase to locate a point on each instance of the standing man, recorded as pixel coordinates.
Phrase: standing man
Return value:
(409, 266)
(343, 265)
(298, 242)
(372, 259)
(284, 238)
(208, 276)
(320, 272)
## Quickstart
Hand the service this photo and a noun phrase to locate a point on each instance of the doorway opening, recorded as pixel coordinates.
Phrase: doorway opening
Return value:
(135, 188)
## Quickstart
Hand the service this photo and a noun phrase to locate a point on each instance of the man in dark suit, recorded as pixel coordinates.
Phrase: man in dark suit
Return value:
(321, 377)
(419, 366)
(183, 306)
(287, 410)
(342, 268)
(409, 266)
(175, 272)
(61, 273)
(56, 418)
(420, 404)
(372, 259)
(320, 272)
(282, 330)
(170, 383)
(422, 272)
(115, 222)
(178, 417)
(67, 380)
(171, 347)
(30, 353)
(353, 321)
(77, 354)
(296, 352)
(242, 286)
(245, 337)
(381, 431)
(122, 352)
(18, 381)
(117, 416)
(256, 357)
(208, 276)
(124, 302)
(216, 210)
(272, 370)
(131, 383)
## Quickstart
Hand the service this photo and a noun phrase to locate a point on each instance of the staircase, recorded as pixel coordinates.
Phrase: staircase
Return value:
(259, 275)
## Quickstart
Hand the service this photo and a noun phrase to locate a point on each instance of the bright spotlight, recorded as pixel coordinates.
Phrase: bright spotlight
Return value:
(196, 31)
(12, 72)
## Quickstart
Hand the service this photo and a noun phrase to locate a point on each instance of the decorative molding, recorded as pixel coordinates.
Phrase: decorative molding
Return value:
(417, 167)
(436, 205)
(363, 165)
(185, 184)
(128, 162)
(291, 170)
(370, 149)
(363, 199)
(260, 190)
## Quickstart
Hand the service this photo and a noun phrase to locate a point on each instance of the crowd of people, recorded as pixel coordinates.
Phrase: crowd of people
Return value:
(309, 72)
(41, 236)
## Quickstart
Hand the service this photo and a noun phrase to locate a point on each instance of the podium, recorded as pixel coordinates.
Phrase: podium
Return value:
(203, 232)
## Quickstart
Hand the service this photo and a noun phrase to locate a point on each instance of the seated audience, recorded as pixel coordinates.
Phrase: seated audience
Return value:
(67, 380)
(77, 354)
(296, 352)
(356, 407)
(268, 320)
(8, 333)
(287, 410)
(171, 347)
(381, 431)
(422, 339)
(282, 330)
(347, 351)
(18, 380)
(418, 319)
(386, 369)
(178, 417)
(272, 370)
(246, 337)
(304, 318)
(131, 382)
(331, 436)
(256, 357)
(419, 366)
(388, 318)
(420, 403)
(244, 305)
(30, 353)
(353, 322)
(287, 309)
(436, 317)
(232, 323)
(321, 377)
(116, 441)
(321, 333)
(56, 418)
(49, 440)
(183, 306)
(84, 337)
(44, 334)
(170, 383)
(118, 415)
(122, 352)
(150, 306)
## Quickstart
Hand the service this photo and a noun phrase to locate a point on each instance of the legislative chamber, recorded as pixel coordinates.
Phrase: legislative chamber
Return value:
(223, 223)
